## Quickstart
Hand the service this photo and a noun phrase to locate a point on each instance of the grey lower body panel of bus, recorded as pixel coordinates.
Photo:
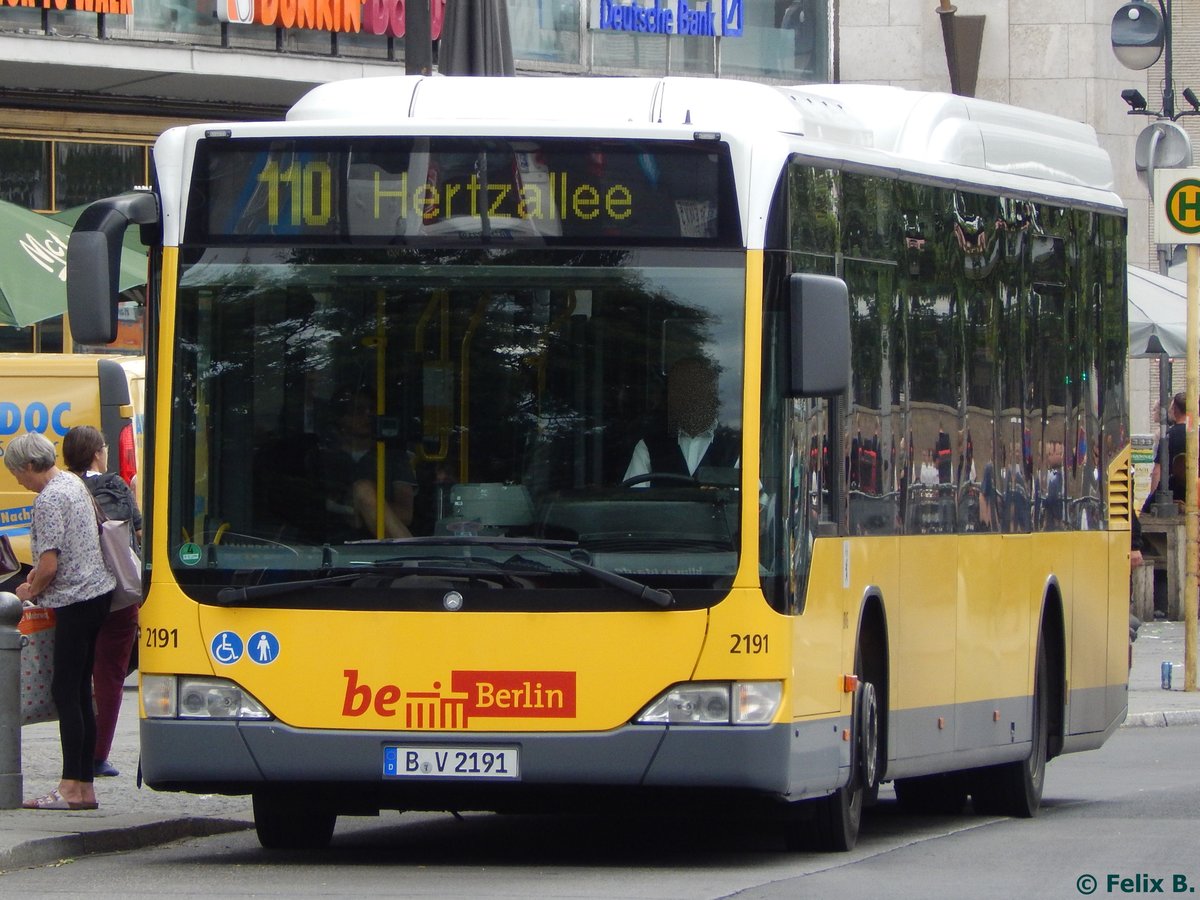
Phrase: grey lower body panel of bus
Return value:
(777, 762)
(1094, 716)
(954, 737)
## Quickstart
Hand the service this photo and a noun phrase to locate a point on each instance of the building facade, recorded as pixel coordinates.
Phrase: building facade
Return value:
(1055, 57)
(78, 73)
(88, 84)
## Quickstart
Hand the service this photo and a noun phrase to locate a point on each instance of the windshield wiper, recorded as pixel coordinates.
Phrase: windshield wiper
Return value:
(662, 599)
(229, 596)
(451, 540)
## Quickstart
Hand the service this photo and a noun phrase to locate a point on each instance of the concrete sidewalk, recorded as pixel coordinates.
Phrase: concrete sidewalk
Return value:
(129, 818)
(1149, 704)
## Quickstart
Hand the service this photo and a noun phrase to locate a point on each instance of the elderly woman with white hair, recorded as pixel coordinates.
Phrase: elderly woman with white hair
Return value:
(69, 575)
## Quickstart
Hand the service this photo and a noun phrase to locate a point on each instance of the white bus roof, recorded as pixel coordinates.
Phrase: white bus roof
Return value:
(909, 127)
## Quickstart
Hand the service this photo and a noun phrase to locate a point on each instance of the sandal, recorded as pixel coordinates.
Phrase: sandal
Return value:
(55, 800)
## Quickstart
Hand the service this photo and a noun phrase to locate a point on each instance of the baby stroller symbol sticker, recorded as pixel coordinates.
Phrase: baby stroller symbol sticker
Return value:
(226, 648)
(263, 647)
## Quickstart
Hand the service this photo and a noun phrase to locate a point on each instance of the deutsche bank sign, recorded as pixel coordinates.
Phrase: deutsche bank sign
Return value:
(698, 18)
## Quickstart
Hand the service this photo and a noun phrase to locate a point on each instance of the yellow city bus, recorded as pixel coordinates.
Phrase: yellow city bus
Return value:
(529, 444)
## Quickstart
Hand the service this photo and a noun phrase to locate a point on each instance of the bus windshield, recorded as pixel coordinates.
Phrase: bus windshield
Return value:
(438, 418)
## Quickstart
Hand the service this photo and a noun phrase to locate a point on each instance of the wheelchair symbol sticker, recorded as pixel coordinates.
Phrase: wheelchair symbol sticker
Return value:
(226, 648)
(263, 647)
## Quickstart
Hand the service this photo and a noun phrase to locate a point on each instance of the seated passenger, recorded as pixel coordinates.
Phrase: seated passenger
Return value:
(691, 437)
(349, 471)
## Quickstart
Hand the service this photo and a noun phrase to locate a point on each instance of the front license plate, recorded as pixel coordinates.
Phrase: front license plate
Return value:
(430, 761)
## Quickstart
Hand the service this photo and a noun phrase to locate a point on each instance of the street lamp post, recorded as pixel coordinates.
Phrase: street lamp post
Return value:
(1141, 35)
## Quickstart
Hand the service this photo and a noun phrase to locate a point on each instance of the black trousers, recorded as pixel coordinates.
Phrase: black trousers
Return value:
(76, 627)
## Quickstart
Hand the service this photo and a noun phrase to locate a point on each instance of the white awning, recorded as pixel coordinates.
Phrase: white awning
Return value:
(1157, 314)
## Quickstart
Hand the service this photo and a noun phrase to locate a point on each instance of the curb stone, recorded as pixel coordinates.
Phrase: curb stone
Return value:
(1163, 719)
(45, 850)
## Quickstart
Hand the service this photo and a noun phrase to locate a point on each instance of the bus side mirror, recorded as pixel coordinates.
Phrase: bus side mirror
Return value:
(820, 335)
(94, 262)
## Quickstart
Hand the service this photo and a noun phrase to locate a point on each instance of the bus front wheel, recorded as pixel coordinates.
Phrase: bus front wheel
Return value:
(289, 823)
(836, 818)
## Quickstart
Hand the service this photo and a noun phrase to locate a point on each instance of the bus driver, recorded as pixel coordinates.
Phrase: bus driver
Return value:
(691, 437)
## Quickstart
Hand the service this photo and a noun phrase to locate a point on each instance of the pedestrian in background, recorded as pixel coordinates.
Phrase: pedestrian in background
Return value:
(86, 454)
(1170, 449)
(69, 575)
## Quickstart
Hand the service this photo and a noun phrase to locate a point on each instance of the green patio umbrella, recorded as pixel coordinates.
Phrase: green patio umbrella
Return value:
(33, 266)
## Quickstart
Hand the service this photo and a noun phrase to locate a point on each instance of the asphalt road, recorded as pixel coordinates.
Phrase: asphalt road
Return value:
(1126, 811)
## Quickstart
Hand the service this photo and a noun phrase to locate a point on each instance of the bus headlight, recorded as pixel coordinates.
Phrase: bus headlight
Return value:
(196, 697)
(715, 703)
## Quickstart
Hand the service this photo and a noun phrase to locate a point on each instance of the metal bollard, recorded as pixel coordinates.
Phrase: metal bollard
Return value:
(11, 786)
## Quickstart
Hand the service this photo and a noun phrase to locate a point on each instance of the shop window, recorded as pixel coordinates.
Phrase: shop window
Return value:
(693, 55)
(629, 53)
(366, 45)
(176, 17)
(25, 173)
(87, 172)
(785, 39)
(21, 20)
(71, 23)
(545, 30)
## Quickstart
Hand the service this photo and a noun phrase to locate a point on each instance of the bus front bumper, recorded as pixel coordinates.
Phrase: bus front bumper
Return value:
(348, 766)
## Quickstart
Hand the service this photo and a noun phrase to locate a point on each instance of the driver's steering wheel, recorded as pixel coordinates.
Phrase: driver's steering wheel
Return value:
(673, 477)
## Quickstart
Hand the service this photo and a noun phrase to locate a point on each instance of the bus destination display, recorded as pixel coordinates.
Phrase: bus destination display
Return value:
(319, 190)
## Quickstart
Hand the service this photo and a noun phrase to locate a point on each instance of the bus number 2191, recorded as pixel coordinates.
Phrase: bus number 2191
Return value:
(162, 637)
(748, 643)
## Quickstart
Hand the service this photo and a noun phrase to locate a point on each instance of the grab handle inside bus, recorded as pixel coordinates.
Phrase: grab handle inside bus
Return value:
(94, 262)
(820, 335)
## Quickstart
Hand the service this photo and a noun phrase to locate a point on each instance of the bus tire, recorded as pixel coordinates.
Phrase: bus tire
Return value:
(285, 823)
(836, 818)
(1015, 789)
(867, 746)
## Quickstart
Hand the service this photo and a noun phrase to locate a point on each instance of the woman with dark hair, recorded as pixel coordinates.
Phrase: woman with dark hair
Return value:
(69, 576)
(86, 454)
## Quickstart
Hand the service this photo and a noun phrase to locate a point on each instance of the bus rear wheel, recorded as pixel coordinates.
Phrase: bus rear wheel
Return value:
(288, 823)
(1015, 789)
